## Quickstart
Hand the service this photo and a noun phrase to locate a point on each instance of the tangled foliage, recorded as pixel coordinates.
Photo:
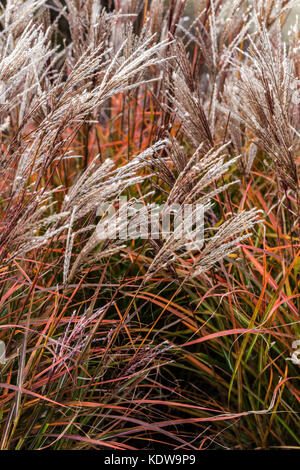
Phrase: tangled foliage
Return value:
(148, 342)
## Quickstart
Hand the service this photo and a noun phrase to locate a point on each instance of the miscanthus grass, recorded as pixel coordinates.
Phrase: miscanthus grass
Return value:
(145, 342)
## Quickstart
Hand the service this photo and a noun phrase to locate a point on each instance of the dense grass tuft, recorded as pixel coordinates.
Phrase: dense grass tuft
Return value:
(149, 342)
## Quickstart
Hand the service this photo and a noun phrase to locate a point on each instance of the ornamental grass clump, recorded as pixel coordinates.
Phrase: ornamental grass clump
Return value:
(117, 333)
